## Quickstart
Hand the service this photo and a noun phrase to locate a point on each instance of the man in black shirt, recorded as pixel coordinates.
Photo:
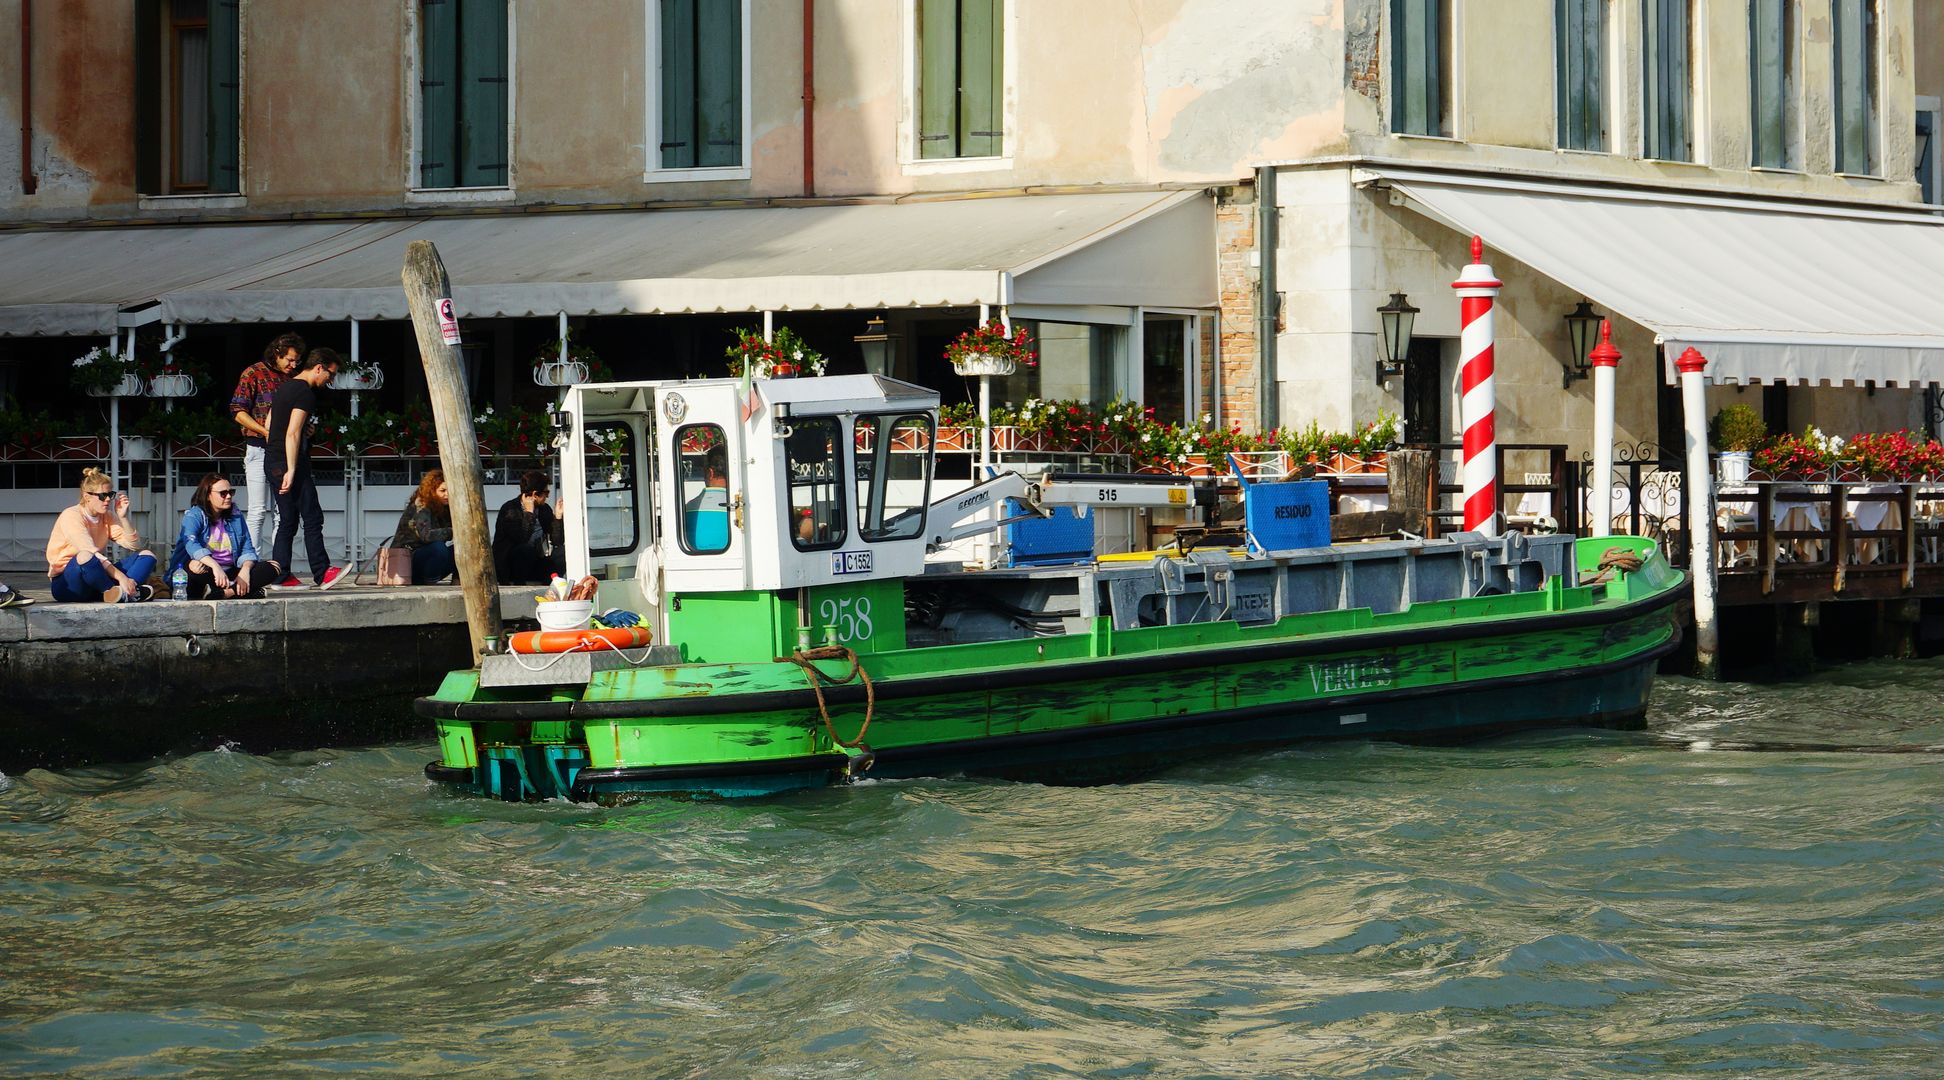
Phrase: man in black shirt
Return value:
(288, 458)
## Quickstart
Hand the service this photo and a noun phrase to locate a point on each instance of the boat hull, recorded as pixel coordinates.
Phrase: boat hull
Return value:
(742, 731)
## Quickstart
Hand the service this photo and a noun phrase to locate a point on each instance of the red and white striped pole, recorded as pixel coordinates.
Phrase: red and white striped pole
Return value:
(1478, 290)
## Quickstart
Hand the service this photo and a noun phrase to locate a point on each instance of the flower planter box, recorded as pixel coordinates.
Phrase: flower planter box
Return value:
(985, 364)
(129, 386)
(172, 386)
(137, 448)
(368, 379)
(571, 373)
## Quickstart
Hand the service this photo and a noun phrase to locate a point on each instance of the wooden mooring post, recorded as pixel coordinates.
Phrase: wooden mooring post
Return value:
(429, 294)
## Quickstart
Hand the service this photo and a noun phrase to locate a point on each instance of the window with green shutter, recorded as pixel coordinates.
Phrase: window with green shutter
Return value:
(701, 46)
(1771, 89)
(1420, 55)
(1580, 64)
(961, 78)
(1667, 81)
(188, 68)
(462, 93)
(1855, 25)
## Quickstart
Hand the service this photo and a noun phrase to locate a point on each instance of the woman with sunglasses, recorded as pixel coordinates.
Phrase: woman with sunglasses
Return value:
(215, 546)
(77, 562)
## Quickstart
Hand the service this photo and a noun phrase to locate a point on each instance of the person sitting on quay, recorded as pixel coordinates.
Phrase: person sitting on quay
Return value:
(425, 528)
(528, 548)
(78, 569)
(216, 548)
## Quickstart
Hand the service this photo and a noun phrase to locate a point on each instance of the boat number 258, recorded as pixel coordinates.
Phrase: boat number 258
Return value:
(851, 616)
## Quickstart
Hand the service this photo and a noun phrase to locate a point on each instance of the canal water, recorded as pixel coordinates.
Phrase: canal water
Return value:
(1756, 882)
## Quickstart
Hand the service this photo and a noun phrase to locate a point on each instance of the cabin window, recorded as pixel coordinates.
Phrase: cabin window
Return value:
(702, 472)
(462, 93)
(893, 476)
(188, 75)
(814, 457)
(613, 520)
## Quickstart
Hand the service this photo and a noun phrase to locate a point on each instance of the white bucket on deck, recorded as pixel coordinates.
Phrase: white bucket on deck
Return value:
(563, 614)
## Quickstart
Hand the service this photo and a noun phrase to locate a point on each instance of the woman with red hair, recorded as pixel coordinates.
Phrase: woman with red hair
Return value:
(426, 528)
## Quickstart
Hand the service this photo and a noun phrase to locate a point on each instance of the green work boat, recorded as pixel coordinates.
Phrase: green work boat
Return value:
(783, 544)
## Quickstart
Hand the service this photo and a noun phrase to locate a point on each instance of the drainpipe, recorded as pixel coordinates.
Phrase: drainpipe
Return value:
(1700, 509)
(809, 98)
(29, 183)
(1268, 411)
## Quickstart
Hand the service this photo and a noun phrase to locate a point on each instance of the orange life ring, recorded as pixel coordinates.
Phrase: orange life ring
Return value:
(589, 640)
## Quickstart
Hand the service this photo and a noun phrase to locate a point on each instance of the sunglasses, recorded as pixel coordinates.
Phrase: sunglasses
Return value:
(223, 492)
(104, 496)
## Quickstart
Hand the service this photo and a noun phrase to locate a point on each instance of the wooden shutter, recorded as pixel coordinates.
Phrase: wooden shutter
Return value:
(1855, 27)
(1417, 81)
(1667, 84)
(225, 95)
(717, 59)
(148, 97)
(438, 93)
(482, 93)
(1580, 58)
(981, 61)
(1769, 46)
(678, 135)
(938, 44)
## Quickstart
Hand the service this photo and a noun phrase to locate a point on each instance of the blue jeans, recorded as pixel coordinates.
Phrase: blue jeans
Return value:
(84, 582)
(430, 562)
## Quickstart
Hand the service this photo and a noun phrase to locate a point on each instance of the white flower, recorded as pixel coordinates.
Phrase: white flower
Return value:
(489, 410)
(342, 429)
(1147, 436)
(388, 422)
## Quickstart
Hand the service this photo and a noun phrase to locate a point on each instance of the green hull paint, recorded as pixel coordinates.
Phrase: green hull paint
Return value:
(1560, 654)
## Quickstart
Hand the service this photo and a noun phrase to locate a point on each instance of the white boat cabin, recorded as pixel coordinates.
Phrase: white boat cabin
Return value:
(701, 487)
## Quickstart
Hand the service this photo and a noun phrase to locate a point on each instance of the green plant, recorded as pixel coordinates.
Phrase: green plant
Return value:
(1737, 428)
(784, 355)
(20, 427)
(513, 433)
(962, 414)
(100, 369)
(181, 424)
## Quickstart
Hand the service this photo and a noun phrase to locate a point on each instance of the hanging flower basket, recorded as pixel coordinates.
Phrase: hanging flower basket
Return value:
(172, 385)
(571, 373)
(985, 364)
(371, 377)
(129, 386)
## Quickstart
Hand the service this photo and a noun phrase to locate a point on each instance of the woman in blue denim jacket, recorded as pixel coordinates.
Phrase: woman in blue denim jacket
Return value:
(214, 546)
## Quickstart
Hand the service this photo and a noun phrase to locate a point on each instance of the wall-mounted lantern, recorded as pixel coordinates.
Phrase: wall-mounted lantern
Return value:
(880, 351)
(1398, 317)
(1583, 327)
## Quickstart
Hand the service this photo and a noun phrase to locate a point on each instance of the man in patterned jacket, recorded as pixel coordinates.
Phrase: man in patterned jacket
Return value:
(250, 406)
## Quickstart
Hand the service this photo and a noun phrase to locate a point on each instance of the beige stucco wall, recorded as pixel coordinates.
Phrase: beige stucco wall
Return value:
(1504, 89)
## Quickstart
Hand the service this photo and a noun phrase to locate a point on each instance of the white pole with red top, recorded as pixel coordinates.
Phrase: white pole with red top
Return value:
(1700, 512)
(1606, 365)
(1478, 289)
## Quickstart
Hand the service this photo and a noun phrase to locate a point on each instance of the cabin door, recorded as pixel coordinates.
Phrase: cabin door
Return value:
(702, 476)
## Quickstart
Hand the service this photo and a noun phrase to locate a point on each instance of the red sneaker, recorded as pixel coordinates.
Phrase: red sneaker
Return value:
(289, 582)
(331, 577)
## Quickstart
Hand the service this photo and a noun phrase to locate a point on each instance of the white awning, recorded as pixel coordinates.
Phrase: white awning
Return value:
(60, 282)
(1148, 248)
(1765, 289)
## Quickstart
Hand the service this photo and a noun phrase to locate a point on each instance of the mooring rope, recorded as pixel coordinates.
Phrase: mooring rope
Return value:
(1615, 558)
(805, 659)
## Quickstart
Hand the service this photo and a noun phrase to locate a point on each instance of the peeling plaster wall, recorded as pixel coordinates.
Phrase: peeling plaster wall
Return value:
(83, 110)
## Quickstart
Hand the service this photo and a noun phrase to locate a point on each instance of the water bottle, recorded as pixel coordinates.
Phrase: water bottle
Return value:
(179, 584)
